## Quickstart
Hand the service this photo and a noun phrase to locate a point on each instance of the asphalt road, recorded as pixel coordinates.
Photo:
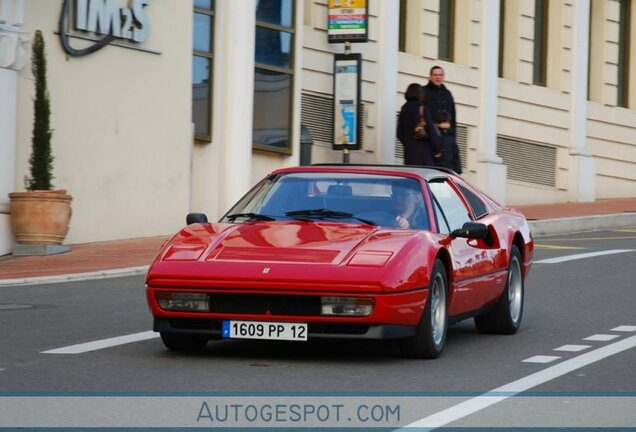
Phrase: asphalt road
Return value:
(566, 303)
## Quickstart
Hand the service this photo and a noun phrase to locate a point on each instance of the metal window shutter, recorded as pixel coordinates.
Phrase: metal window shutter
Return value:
(316, 112)
(528, 161)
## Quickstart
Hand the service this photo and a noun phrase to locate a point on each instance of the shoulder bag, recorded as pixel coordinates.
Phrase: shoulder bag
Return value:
(420, 133)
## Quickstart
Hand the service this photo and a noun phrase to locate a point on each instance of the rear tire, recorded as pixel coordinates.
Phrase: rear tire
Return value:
(430, 337)
(506, 316)
(183, 342)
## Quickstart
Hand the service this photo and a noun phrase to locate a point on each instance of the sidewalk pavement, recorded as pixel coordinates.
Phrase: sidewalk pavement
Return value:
(132, 257)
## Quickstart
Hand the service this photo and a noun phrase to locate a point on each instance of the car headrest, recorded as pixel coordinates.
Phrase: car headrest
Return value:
(339, 190)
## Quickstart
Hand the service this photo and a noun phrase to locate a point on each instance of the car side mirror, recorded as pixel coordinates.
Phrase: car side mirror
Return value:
(472, 230)
(196, 218)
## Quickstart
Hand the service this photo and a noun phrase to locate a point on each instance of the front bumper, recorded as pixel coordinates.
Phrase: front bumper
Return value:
(212, 329)
(394, 315)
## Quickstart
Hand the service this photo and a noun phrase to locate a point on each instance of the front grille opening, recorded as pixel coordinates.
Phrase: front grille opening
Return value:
(255, 304)
(338, 328)
(195, 324)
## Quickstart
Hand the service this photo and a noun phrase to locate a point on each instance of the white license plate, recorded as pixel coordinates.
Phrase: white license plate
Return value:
(264, 330)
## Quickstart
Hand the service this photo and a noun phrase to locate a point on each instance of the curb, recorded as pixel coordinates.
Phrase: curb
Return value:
(101, 274)
(582, 224)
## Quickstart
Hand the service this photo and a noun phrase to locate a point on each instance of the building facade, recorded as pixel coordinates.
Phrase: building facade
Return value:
(183, 106)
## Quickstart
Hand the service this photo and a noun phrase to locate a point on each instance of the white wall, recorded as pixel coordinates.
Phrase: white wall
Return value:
(611, 138)
(122, 126)
(14, 53)
(8, 100)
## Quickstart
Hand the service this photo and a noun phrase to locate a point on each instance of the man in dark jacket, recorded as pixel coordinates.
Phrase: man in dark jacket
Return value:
(439, 101)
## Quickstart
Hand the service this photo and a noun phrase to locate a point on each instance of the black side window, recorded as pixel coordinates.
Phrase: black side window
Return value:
(478, 206)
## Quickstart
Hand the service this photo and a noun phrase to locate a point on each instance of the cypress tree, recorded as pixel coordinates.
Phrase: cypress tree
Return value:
(41, 161)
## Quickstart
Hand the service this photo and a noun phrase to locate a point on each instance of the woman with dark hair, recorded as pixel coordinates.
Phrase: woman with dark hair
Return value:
(417, 150)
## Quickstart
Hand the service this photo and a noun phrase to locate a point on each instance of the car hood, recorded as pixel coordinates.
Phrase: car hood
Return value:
(260, 254)
(292, 242)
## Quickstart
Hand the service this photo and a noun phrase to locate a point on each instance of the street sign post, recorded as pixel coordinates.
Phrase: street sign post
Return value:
(348, 22)
(346, 109)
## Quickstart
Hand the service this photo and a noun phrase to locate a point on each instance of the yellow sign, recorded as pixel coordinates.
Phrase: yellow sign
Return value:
(356, 4)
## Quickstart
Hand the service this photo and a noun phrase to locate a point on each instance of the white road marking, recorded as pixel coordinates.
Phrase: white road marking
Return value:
(541, 359)
(624, 328)
(581, 256)
(601, 337)
(103, 343)
(485, 400)
(572, 348)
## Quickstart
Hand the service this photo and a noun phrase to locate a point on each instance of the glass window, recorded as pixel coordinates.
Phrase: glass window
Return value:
(201, 95)
(441, 219)
(202, 38)
(446, 17)
(623, 53)
(204, 4)
(502, 36)
(202, 66)
(277, 12)
(272, 107)
(540, 42)
(379, 199)
(273, 47)
(451, 204)
(476, 204)
(402, 28)
(274, 75)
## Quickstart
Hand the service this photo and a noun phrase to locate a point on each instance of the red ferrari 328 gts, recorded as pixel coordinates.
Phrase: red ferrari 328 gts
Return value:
(345, 251)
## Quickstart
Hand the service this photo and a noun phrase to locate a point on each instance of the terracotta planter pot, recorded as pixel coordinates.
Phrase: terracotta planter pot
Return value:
(40, 217)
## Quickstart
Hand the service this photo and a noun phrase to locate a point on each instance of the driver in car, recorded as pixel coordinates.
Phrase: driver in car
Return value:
(409, 205)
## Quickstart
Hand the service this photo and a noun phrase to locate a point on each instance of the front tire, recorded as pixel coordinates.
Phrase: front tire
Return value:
(430, 337)
(183, 342)
(506, 316)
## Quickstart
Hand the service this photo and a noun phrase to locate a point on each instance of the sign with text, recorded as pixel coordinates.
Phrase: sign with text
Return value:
(318, 412)
(104, 23)
(348, 21)
(346, 109)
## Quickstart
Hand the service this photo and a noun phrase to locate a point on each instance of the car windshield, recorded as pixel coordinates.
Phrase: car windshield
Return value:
(344, 197)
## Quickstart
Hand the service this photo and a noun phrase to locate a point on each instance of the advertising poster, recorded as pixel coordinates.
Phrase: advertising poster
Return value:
(347, 101)
(348, 21)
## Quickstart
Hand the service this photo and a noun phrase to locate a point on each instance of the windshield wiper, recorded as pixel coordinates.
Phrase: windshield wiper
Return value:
(252, 216)
(322, 213)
